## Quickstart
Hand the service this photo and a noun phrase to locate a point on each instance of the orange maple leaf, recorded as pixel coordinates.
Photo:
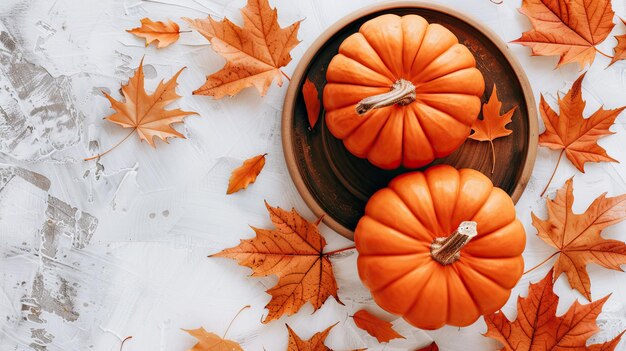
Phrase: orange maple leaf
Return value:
(212, 342)
(376, 327)
(254, 53)
(492, 125)
(573, 134)
(432, 347)
(311, 101)
(144, 113)
(294, 252)
(163, 33)
(619, 51)
(568, 28)
(245, 174)
(315, 343)
(537, 328)
(578, 236)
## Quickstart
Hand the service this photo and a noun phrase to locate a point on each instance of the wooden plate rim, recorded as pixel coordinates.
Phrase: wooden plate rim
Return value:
(301, 68)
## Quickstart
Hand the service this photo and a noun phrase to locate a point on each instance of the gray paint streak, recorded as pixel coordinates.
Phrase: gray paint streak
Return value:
(38, 116)
(53, 290)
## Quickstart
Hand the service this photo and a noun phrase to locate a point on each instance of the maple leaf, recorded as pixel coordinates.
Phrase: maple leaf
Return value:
(619, 52)
(246, 173)
(573, 134)
(315, 343)
(163, 33)
(578, 236)
(374, 326)
(144, 113)
(537, 328)
(311, 101)
(432, 347)
(212, 342)
(568, 28)
(493, 125)
(254, 53)
(294, 252)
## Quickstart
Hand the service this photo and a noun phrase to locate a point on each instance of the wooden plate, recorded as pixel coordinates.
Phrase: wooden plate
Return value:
(336, 184)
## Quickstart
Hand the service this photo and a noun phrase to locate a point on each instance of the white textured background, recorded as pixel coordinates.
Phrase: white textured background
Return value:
(92, 252)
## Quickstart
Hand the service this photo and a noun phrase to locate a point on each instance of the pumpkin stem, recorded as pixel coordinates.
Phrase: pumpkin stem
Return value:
(402, 92)
(447, 250)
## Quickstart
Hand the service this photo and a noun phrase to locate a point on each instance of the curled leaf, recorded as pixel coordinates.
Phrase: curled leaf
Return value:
(245, 174)
(376, 327)
(161, 32)
(311, 101)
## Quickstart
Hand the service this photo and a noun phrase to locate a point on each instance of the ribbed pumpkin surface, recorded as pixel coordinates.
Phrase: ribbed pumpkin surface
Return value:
(448, 90)
(401, 222)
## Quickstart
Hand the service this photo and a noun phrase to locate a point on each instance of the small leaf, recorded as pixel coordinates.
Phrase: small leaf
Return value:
(537, 328)
(493, 125)
(315, 343)
(311, 101)
(163, 33)
(245, 174)
(578, 236)
(211, 341)
(619, 52)
(432, 347)
(374, 326)
(293, 251)
(254, 53)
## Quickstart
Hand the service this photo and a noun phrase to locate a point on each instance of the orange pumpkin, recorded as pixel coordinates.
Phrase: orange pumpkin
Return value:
(402, 92)
(440, 247)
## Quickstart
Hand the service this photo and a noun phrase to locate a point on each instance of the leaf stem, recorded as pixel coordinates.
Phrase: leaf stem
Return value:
(184, 31)
(338, 251)
(542, 263)
(553, 173)
(232, 320)
(123, 341)
(603, 54)
(285, 74)
(319, 220)
(497, 2)
(493, 157)
(111, 149)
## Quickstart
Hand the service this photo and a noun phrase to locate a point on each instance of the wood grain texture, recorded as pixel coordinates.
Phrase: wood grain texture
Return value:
(337, 184)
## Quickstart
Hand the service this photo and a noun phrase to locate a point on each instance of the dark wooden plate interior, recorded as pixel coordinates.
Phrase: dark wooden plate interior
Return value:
(337, 184)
